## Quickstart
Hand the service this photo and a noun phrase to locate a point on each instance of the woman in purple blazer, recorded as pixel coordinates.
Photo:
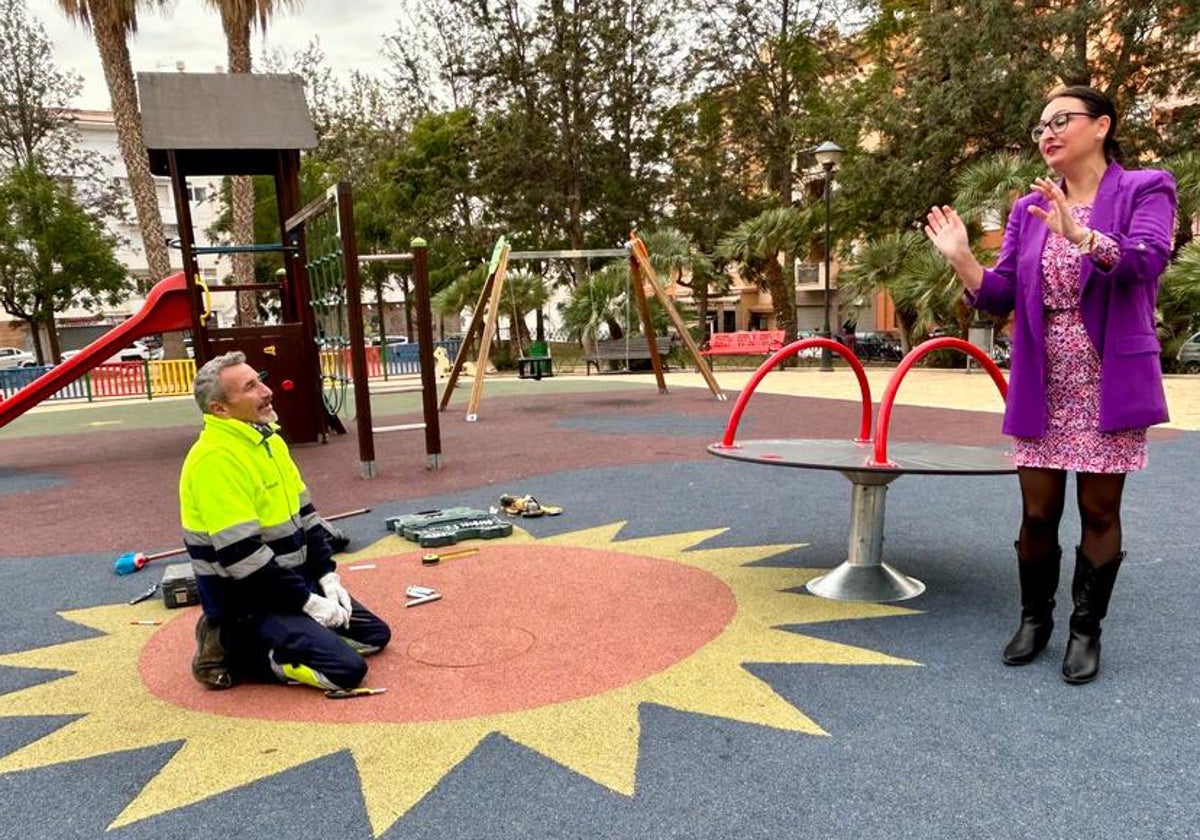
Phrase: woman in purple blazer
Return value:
(1079, 270)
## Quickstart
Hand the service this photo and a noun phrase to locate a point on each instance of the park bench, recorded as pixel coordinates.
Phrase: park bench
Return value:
(634, 348)
(750, 343)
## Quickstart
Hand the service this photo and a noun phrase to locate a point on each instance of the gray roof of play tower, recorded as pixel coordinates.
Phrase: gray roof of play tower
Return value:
(223, 123)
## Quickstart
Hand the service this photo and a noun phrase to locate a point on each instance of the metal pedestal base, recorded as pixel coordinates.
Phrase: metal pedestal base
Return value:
(865, 583)
(864, 576)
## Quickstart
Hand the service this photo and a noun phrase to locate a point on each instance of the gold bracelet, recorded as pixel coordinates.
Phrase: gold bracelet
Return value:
(1088, 243)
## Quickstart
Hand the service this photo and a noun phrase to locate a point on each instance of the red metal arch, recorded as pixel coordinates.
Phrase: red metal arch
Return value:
(914, 356)
(786, 352)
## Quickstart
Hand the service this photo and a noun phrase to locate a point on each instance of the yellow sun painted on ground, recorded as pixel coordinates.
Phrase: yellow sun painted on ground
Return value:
(399, 760)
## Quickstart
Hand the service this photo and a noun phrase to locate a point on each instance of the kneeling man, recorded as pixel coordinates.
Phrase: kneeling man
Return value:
(264, 568)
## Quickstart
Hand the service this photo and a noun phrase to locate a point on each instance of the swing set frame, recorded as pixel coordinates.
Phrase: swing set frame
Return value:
(641, 272)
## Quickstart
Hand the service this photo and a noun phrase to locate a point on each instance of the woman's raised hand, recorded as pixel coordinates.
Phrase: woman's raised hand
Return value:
(1058, 218)
(947, 232)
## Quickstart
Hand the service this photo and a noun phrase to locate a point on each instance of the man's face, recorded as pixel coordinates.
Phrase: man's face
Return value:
(246, 397)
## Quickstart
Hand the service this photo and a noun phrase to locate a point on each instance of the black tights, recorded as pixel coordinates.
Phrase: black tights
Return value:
(1043, 495)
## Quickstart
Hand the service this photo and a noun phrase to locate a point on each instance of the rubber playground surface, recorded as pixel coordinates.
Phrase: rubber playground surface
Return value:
(647, 664)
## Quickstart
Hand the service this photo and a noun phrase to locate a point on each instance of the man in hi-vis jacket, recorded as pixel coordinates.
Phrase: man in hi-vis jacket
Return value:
(264, 567)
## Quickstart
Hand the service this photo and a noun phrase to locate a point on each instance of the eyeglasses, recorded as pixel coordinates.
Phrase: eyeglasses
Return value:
(1055, 124)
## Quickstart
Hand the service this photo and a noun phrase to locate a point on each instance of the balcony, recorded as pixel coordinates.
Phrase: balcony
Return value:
(810, 277)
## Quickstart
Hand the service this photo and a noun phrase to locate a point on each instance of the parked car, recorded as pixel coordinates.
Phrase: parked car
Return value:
(11, 357)
(1188, 356)
(138, 351)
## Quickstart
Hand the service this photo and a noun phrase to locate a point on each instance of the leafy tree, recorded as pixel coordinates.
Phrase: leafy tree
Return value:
(758, 245)
(953, 82)
(767, 63)
(52, 253)
(712, 183)
(567, 95)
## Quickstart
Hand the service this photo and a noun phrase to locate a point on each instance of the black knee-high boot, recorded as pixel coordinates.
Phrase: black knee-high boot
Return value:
(1091, 590)
(1039, 582)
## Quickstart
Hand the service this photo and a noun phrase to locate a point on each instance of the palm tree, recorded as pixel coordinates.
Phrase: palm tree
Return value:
(1179, 298)
(1186, 168)
(524, 292)
(602, 299)
(757, 245)
(111, 22)
(880, 265)
(673, 254)
(920, 283)
(989, 187)
(237, 16)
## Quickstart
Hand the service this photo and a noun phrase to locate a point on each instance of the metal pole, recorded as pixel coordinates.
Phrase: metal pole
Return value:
(826, 353)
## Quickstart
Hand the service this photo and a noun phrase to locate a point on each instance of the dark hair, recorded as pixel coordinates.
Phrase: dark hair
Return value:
(1097, 105)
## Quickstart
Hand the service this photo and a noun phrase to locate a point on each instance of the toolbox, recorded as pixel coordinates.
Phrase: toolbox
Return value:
(434, 528)
(179, 586)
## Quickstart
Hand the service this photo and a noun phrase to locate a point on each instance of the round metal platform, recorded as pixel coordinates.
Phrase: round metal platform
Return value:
(864, 576)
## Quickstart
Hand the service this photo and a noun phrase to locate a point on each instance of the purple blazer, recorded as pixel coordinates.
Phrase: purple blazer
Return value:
(1137, 210)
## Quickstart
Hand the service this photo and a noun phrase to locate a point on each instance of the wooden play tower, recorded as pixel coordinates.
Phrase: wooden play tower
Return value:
(216, 124)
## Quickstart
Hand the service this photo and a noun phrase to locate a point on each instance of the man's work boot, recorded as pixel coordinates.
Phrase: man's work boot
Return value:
(208, 663)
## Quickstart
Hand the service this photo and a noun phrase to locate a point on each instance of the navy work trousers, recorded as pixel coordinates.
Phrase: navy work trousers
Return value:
(295, 639)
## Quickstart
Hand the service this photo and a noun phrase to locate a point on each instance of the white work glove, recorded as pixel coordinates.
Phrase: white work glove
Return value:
(334, 591)
(326, 612)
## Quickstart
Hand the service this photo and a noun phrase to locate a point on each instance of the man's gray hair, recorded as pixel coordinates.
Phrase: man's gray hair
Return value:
(207, 388)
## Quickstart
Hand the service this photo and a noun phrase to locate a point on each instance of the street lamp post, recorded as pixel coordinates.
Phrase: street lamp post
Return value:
(829, 155)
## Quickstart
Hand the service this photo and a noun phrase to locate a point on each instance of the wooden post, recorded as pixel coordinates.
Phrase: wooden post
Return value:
(433, 432)
(639, 294)
(641, 257)
(489, 330)
(358, 356)
(476, 323)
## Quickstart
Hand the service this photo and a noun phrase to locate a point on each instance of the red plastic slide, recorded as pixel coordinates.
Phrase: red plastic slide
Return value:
(166, 309)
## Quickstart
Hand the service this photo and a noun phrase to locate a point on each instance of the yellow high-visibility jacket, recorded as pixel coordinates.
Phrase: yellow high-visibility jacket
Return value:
(249, 524)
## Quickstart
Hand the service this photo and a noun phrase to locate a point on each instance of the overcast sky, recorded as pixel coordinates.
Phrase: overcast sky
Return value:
(190, 32)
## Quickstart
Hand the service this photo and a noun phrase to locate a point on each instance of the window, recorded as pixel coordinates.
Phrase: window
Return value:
(197, 194)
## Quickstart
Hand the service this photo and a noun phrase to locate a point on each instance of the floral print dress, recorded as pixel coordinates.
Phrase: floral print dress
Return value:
(1073, 439)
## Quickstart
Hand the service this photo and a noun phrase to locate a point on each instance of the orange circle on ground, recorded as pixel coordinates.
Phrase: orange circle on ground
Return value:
(518, 627)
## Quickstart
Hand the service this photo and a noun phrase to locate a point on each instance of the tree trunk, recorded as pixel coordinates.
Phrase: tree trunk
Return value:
(237, 39)
(54, 351)
(783, 298)
(118, 75)
(243, 234)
